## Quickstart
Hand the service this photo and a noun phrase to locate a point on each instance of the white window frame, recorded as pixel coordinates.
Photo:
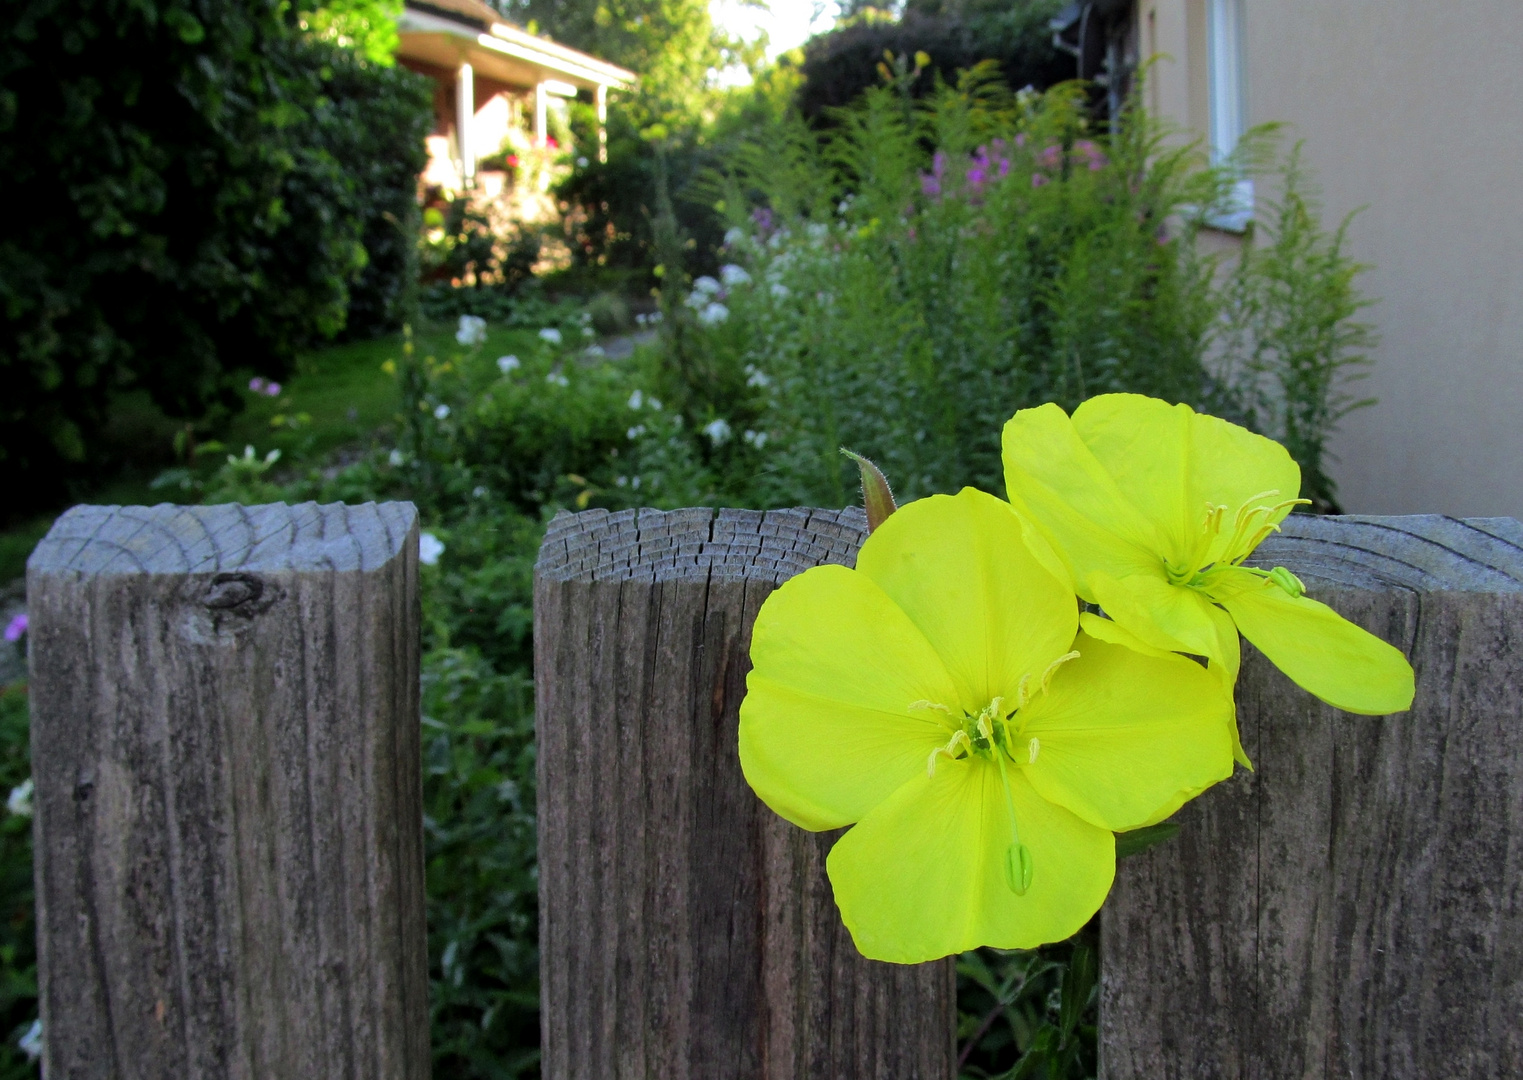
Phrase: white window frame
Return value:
(1228, 101)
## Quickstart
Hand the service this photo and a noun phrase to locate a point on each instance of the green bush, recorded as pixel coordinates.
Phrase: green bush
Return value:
(904, 283)
(190, 193)
(18, 946)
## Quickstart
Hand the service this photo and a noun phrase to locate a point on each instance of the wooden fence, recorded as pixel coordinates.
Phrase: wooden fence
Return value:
(228, 823)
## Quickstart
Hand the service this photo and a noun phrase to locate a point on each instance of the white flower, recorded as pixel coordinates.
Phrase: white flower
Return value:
(20, 802)
(734, 235)
(550, 334)
(430, 547)
(757, 439)
(640, 318)
(714, 314)
(622, 481)
(31, 1043)
(780, 291)
(654, 318)
(594, 351)
(635, 432)
(636, 400)
(397, 459)
(581, 163)
(584, 318)
(696, 299)
(555, 378)
(733, 275)
(634, 482)
(506, 364)
(757, 377)
(706, 284)
(479, 492)
(655, 403)
(441, 413)
(818, 231)
(588, 331)
(718, 431)
(472, 331)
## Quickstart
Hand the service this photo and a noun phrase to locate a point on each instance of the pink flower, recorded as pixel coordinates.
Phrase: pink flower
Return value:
(1038, 179)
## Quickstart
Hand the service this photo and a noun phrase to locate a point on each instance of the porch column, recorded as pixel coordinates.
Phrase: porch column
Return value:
(465, 121)
(541, 105)
(602, 99)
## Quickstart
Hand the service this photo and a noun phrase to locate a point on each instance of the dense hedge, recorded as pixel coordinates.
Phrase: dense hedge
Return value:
(840, 65)
(191, 187)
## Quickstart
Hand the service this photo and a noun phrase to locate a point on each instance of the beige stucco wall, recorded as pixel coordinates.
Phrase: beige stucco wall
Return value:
(1412, 109)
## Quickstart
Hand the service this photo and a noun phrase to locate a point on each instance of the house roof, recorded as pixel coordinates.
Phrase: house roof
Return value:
(447, 33)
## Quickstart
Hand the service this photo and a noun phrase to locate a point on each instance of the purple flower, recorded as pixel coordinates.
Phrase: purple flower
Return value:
(929, 185)
(1038, 179)
(1004, 167)
(938, 165)
(761, 217)
(1020, 140)
(1051, 156)
(16, 627)
(256, 384)
(272, 389)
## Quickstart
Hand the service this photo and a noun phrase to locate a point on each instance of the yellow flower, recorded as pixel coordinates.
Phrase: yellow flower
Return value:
(940, 697)
(1153, 508)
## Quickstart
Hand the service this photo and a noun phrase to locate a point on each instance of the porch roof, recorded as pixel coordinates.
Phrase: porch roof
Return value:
(447, 33)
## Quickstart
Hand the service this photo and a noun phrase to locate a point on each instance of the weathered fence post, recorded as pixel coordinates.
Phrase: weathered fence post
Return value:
(1355, 907)
(686, 932)
(225, 747)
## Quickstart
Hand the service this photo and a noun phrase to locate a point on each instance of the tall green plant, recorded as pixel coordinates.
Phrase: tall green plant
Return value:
(1291, 340)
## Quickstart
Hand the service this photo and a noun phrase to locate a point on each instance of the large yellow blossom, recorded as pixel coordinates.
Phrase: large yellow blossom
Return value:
(1154, 508)
(941, 697)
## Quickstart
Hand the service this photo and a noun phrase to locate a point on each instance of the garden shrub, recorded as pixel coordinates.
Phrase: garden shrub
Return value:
(850, 59)
(905, 282)
(190, 195)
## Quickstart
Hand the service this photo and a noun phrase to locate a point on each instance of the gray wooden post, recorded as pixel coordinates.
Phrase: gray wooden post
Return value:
(1355, 907)
(686, 932)
(225, 747)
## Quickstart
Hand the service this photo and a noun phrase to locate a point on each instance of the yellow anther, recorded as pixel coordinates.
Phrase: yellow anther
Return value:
(1033, 748)
(1053, 667)
(959, 739)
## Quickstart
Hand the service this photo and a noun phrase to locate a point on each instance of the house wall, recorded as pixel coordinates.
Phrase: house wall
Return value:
(1410, 109)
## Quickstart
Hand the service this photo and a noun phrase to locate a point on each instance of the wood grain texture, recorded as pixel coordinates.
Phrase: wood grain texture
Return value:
(687, 933)
(1354, 908)
(225, 745)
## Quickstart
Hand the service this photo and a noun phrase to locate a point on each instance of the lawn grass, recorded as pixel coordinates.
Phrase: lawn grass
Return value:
(338, 396)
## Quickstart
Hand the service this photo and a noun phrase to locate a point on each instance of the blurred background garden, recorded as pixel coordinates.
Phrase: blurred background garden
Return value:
(250, 260)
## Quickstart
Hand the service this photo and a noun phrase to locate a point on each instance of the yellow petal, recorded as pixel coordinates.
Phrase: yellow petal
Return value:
(1125, 738)
(922, 876)
(1344, 665)
(1230, 465)
(826, 729)
(1171, 617)
(1113, 632)
(1055, 481)
(960, 569)
(1144, 444)
(1172, 462)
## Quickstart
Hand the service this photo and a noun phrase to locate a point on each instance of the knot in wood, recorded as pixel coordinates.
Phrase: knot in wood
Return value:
(231, 590)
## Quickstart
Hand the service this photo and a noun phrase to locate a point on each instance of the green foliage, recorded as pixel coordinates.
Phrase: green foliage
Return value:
(904, 282)
(840, 65)
(18, 949)
(191, 177)
(369, 27)
(1027, 1014)
(1291, 342)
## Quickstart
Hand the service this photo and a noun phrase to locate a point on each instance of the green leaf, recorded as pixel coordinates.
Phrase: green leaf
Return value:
(877, 498)
(1139, 840)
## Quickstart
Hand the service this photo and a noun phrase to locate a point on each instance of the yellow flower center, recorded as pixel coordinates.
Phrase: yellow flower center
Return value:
(992, 734)
(1254, 521)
